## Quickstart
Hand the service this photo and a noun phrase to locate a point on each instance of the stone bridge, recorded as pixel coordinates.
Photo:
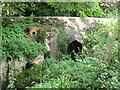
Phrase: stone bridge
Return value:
(75, 27)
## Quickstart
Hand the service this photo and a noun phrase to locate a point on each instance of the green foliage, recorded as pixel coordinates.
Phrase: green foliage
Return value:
(63, 41)
(101, 41)
(87, 73)
(15, 42)
(29, 76)
(111, 12)
(41, 36)
(53, 83)
(12, 80)
(82, 9)
(110, 9)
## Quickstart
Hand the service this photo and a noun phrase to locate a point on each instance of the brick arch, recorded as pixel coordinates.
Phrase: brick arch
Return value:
(33, 30)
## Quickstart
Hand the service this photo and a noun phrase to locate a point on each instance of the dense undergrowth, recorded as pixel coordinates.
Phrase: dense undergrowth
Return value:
(86, 73)
(15, 43)
(96, 67)
(79, 9)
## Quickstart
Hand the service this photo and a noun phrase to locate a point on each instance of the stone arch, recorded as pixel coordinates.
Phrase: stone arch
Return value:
(74, 47)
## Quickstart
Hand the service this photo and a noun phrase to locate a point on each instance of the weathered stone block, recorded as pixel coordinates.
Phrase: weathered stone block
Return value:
(38, 59)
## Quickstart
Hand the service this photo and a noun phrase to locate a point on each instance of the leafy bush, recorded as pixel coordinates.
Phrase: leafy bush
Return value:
(11, 80)
(15, 44)
(29, 76)
(101, 41)
(110, 9)
(63, 41)
(86, 73)
(81, 9)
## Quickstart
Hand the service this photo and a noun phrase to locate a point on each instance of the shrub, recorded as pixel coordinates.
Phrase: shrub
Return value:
(29, 76)
(101, 42)
(15, 44)
(63, 41)
(87, 73)
(81, 9)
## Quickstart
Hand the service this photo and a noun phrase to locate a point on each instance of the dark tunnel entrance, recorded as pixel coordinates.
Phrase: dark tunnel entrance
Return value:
(74, 47)
(33, 33)
(9, 59)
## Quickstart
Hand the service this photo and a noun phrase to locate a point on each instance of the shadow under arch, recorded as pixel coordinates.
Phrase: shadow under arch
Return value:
(74, 47)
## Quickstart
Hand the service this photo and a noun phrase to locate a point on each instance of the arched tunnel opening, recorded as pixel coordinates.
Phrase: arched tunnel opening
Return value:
(74, 47)
(33, 33)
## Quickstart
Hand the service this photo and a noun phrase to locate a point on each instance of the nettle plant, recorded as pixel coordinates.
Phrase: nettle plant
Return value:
(15, 44)
(86, 73)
